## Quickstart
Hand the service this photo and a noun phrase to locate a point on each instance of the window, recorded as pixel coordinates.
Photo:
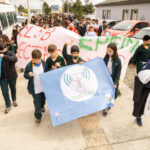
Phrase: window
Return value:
(3, 20)
(104, 15)
(108, 14)
(134, 14)
(15, 17)
(125, 14)
(144, 25)
(10, 18)
(140, 25)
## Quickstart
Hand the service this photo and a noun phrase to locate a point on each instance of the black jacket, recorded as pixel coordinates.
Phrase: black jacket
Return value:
(8, 70)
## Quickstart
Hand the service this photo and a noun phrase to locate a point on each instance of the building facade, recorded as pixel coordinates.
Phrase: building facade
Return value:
(124, 10)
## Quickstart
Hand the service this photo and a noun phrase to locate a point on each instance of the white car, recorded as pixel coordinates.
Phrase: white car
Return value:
(20, 19)
(139, 35)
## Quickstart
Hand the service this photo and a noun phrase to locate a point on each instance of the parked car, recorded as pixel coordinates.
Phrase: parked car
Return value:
(128, 28)
(111, 23)
(139, 35)
(20, 19)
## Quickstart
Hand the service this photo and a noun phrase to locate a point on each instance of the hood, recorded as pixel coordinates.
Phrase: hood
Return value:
(117, 32)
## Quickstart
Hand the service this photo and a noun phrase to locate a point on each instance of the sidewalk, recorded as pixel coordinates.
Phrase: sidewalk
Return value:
(117, 131)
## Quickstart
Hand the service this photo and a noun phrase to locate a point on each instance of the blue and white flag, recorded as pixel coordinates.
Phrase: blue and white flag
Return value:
(77, 90)
(0, 65)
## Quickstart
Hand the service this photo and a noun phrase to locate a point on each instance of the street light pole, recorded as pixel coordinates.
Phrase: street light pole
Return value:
(29, 17)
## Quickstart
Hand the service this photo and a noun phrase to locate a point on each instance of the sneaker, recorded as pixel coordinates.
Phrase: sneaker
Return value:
(38, 120)
(43, 109)
(14, 104)
(139, 121)
(105, 112)
(7, 110)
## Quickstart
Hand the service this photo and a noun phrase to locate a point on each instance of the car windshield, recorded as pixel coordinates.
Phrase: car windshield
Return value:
(141, 34)
(20, 20)
(125, 26)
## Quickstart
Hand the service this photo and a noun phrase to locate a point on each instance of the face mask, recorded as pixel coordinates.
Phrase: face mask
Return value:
(110, 54)
(75, 57)
(71, 28)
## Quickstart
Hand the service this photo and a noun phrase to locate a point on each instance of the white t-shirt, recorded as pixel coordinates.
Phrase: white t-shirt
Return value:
(37, 84)
(109, 65)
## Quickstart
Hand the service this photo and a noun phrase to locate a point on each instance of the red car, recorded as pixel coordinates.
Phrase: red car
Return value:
(128, 28)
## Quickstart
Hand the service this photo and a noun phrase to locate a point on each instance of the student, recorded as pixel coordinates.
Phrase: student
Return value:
(102, 28)
(90, 31)
(113, 64)
(74, 57)
(141, 94)
(9, 43)
(54, 61)
(106, 32)
(32, 71)
(8, 76)
(142, 54)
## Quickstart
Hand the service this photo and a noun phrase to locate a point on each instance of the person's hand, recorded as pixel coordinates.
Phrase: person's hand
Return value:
(131, 65)
(30, 74)
(115, 86)
(68, 42)
(1, 55)
(54, 67)
(57, 64)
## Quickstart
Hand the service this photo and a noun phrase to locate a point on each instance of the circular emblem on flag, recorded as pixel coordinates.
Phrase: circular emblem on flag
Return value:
(79, 83)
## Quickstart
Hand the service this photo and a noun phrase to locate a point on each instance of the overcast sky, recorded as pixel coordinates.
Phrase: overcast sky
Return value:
(51, 2)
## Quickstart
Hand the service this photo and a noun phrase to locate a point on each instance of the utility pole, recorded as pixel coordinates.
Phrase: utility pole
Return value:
(28, 5)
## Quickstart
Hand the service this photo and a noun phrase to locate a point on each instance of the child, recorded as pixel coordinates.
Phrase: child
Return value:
(113, 63)
(106, 32)
(54, 61)
(32, 71)
(8, 75)
(74, 57)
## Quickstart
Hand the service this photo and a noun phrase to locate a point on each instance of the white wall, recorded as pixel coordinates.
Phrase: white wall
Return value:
(117, 11)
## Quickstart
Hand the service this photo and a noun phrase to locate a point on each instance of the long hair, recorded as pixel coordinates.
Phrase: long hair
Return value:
(114, 48)
(6, 39)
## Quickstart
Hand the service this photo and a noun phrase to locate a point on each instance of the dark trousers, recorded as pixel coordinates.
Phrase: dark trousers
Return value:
(5, 90)
(139, 106)
(39, 102)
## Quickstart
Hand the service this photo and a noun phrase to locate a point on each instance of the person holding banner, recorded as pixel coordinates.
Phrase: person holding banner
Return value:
(74, 57)
(142, 94)
(113, 64)
(141, 55)
(32, 71)
(54, 61)
(8, 76)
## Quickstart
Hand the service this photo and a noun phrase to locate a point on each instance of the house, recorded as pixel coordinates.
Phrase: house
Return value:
(124, 10)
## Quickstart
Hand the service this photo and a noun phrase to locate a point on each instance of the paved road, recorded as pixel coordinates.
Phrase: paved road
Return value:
(118, 131)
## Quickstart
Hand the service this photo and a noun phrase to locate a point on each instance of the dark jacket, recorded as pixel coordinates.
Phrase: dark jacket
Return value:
(140, 55)
(11, 48)
(68, 58)
(82, 30)
(29, 68)
(8, 70)
(100, 30)
(116, 69)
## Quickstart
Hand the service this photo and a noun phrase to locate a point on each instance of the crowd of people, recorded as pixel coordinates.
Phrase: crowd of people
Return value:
(84, 27)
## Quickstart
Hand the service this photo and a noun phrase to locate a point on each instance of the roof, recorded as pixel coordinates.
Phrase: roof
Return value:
(121, 2)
